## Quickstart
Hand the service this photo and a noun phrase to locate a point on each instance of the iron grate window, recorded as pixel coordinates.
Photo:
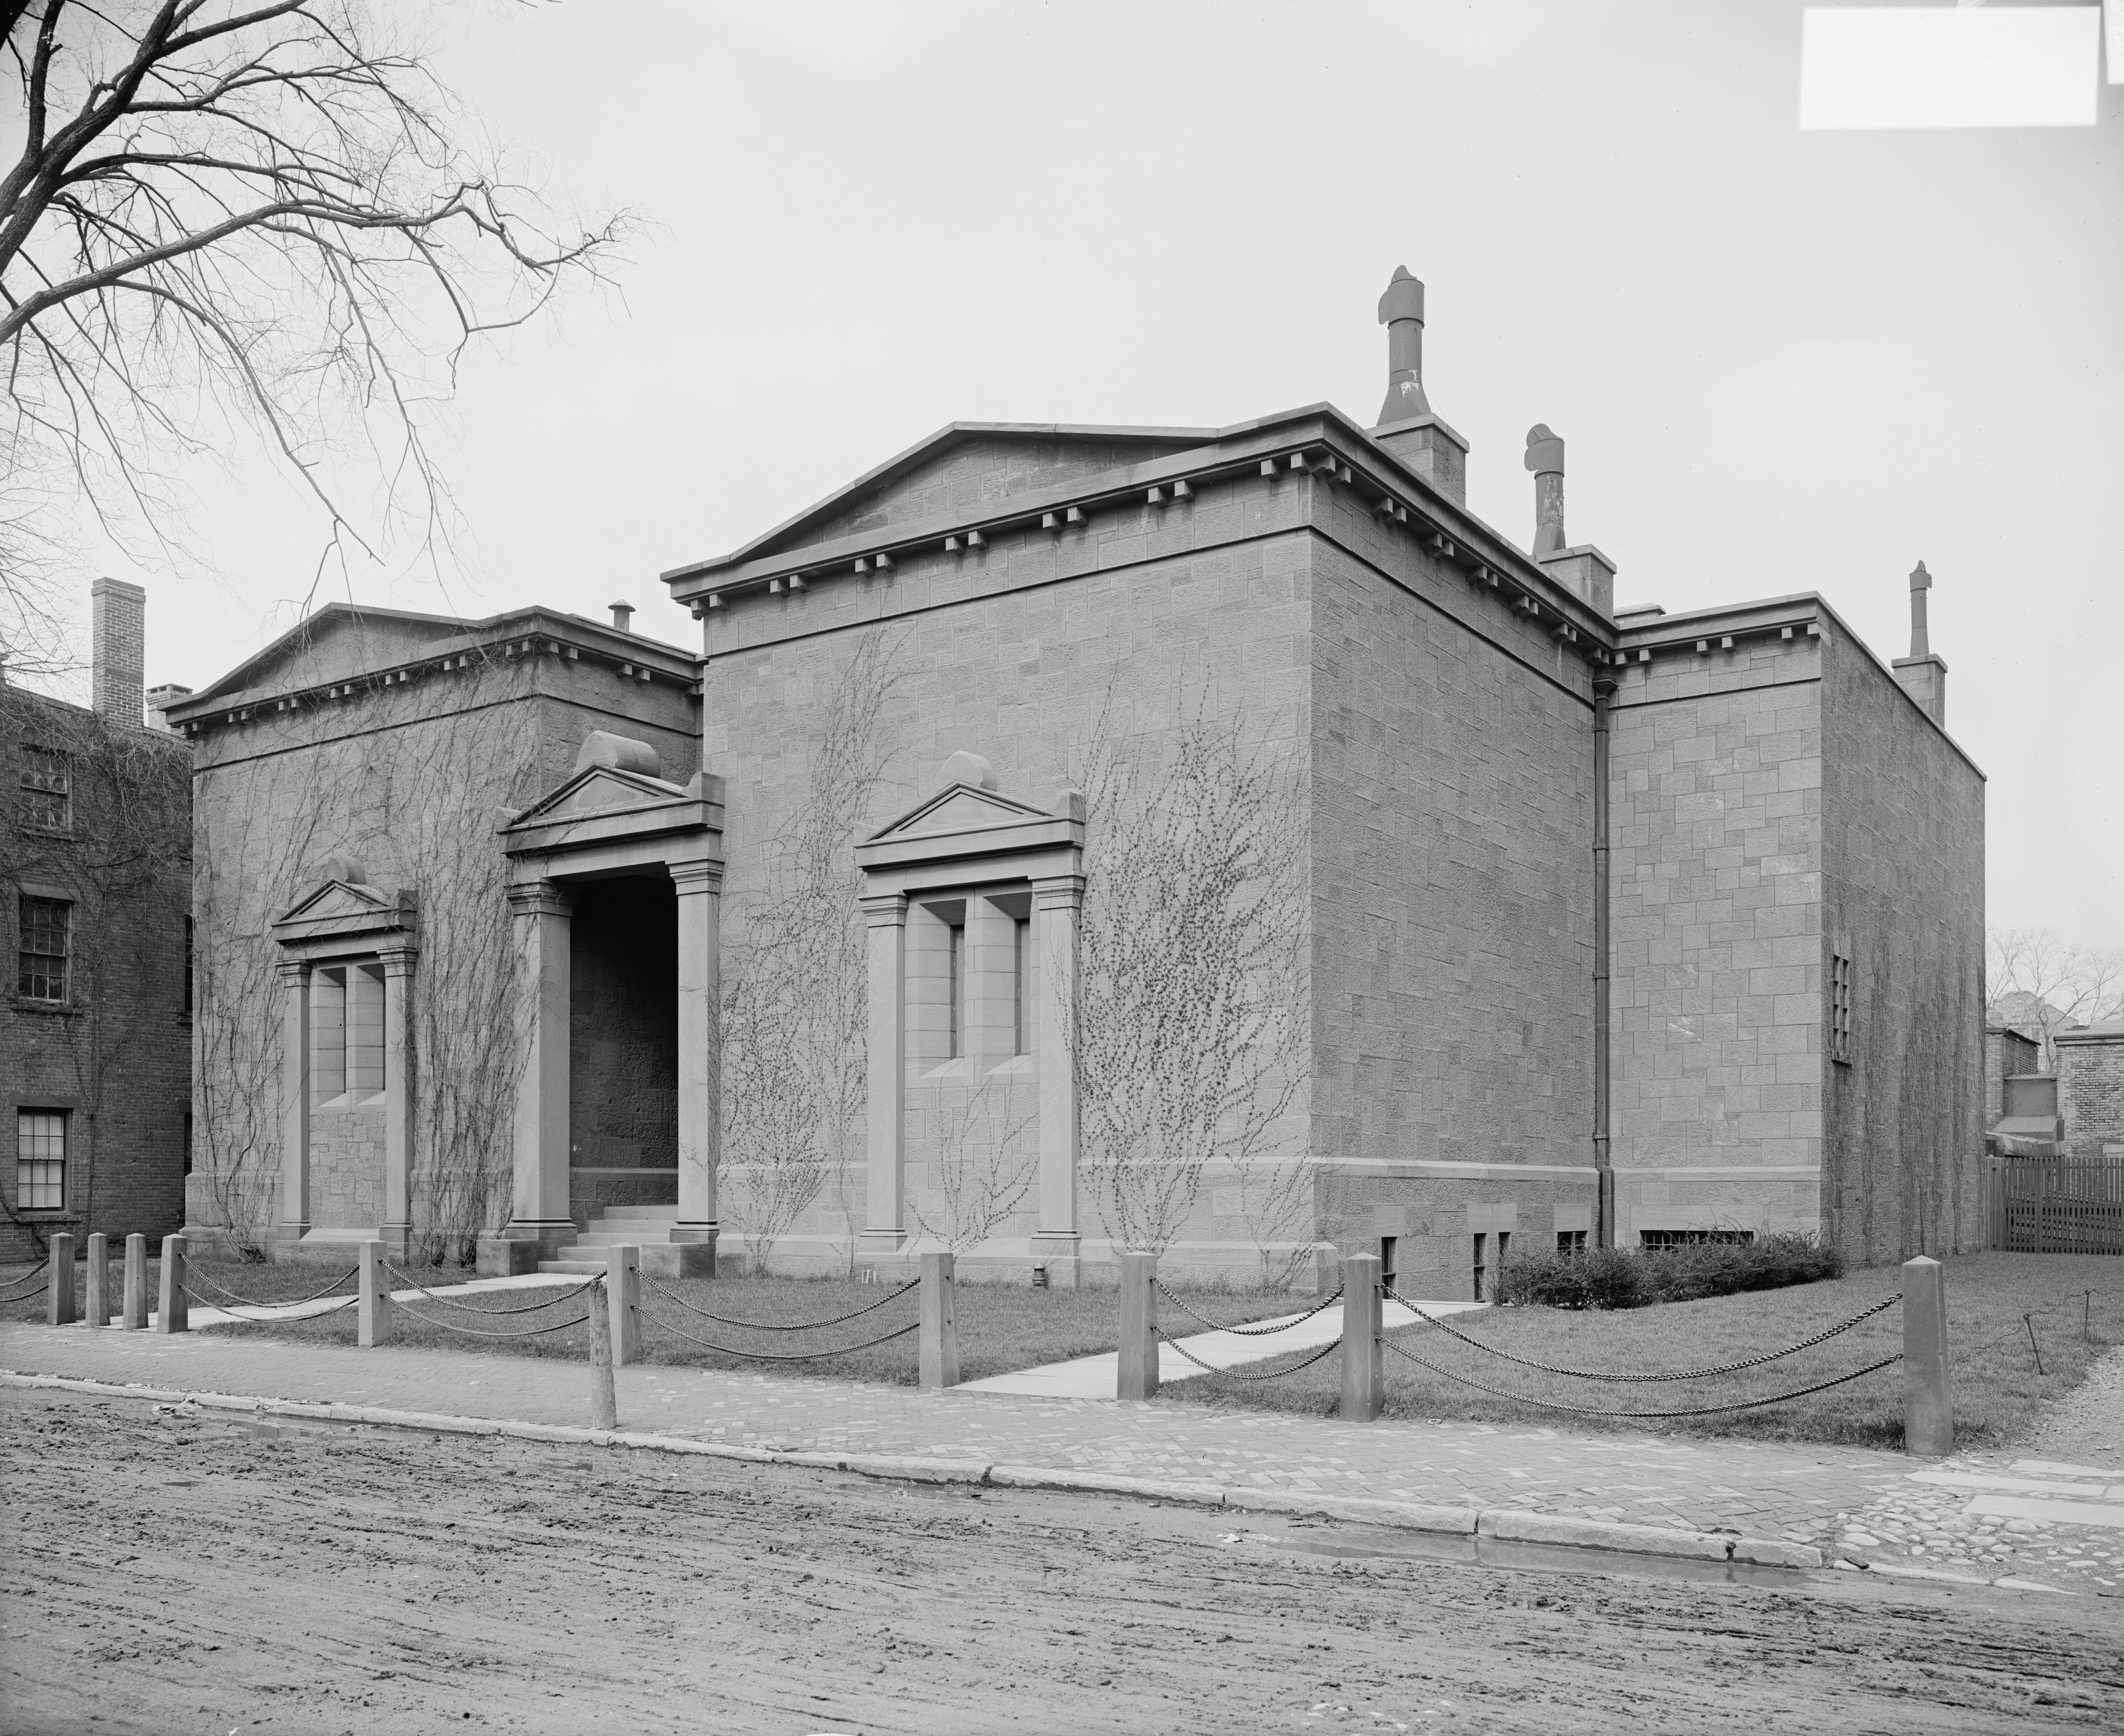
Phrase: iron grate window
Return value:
(1839, 1007)
(46, 926)
(1653, 1240)
(47, 797)
(40, 1160)
(1570, 1241)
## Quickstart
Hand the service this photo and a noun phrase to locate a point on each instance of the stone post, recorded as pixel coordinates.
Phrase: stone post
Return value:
(373, 1325)
(1057, 908)
(1136, 1375)
(1928, 1399)
(539, 915)
(699, 885)
(134, 1316)
(98, 1310)
(58, 1285)
(174, 1313)
(294, 977)
(604, 1408)
(622, 1276)
(397, 1103)
(1363, 1379)
(884, 1231)
(938, 1364)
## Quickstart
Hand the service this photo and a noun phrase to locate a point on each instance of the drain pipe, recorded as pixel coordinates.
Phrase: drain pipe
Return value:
(1604, 687)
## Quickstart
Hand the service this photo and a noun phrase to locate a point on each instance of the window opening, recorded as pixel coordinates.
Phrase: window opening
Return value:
(1482, 1270)
(40, 1160)
(1389, 1248)
(46, 929)
(1653, 1240)
(1839, 1007)
(1570, 1241)
(47, 797)
(188, 967)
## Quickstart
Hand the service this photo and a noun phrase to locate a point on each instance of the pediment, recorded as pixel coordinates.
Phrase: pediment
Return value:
(340, 902)
(961, 807)
(597, 789)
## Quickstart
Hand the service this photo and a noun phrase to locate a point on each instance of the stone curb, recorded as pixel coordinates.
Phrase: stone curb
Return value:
(1506, 1525)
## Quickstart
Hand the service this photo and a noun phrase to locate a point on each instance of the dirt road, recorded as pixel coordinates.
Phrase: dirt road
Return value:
(176, 1572)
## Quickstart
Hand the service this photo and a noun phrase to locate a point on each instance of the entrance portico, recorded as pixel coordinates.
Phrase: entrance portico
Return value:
(615, 818)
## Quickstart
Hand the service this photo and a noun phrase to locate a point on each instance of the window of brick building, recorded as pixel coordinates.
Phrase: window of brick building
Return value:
(40, 1160)
(47, 789)
(188, 967)
(1839, 1007)
(45, 934)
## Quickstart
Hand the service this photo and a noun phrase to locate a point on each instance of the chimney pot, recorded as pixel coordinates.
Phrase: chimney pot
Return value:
(1400, 311)
(1921, 674)
(623, 616)
(119, 651)
(1545, 458)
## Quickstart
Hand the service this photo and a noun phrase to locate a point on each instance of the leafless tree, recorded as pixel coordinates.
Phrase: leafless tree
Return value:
(795, 1016)
(263, 220)
(1190, 1022)
(2041, 983)
(982, 1171)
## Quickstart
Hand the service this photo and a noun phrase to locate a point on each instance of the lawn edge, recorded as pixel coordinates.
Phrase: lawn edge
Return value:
(1504, 1524)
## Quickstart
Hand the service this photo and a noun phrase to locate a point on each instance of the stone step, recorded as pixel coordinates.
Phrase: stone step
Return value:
(661, 1214)
(582, 1261)
(605, 1233)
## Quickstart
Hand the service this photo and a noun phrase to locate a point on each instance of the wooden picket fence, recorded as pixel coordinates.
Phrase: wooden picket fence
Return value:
(2057, 1205)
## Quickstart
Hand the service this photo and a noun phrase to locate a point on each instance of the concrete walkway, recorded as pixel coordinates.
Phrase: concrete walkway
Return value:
(200, 1317)
(1096, 1377)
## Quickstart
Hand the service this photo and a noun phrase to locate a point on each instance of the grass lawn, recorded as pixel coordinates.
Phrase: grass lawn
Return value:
(1002, 1326)
(255, 1280)
(1998, 1393)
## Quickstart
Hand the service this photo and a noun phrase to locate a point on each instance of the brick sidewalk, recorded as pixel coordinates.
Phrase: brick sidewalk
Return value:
(1794, 1492)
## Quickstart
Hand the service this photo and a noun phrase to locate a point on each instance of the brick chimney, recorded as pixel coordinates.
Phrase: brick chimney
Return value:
(119, 651)
(1921, 674)
(1407, 428)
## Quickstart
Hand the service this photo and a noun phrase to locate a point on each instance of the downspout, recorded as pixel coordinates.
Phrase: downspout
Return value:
(1604, 687)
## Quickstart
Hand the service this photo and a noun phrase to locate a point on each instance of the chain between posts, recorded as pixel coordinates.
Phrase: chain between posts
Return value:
(1698, 1410)
(1274, 1374)
(36, 1271)
(651, 1283)
(193, 1277)
(443, 1302)
(1245, 1332)
(769, 1356)
(1686, 1374)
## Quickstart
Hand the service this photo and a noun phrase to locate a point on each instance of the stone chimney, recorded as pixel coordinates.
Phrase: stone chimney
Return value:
(1587, 572)
(1406, 427)
(1922, 676)
(119, 651)
(622, 617)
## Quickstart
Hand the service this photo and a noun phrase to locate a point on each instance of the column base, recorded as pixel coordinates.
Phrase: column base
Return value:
(690, 1254)
(871, 1243)
(516, 1249)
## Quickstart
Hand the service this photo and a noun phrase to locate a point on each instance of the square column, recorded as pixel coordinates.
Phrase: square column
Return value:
(699, 885)
(884, 1227)
(294, 1100)
(539, 914)
(1057, 907)
(398, 1103)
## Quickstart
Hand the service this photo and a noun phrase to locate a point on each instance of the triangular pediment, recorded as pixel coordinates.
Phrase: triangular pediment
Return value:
(962, 807)
(337, 901)
(596, 789)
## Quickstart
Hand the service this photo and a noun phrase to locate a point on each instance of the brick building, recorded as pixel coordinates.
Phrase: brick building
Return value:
(1217, 838)
(95, 1026)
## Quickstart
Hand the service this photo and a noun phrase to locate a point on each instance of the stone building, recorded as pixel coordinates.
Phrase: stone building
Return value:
(95, 1026)
(1214, 838)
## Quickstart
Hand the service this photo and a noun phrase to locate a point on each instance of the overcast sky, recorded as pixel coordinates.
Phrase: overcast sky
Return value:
(1782, 361)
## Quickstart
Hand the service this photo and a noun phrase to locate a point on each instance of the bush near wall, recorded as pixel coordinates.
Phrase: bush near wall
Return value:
(1607, 1277)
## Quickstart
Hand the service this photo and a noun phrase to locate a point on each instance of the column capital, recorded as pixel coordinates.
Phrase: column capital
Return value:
(398, 961)
(538, 898)
(293, 972)
(696, 878)
(1059, 892)
(884, 910)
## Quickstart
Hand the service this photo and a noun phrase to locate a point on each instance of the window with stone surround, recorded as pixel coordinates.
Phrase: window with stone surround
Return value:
(46, 802)
(346, 1032)
(1840, 1008)
(44, 942)
(40, 1143)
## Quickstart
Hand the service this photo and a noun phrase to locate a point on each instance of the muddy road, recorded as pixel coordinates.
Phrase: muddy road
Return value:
(178, 1572)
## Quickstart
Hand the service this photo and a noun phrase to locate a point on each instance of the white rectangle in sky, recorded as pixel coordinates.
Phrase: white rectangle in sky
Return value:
(1880, 67)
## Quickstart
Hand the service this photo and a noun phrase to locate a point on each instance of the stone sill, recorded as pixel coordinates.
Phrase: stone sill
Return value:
(55, 1008)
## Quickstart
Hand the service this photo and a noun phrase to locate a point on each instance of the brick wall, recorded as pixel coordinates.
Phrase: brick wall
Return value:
(1714, 780)
(2006, 1052)
(115, 1056)
(2090, 1075)
(1903, 890)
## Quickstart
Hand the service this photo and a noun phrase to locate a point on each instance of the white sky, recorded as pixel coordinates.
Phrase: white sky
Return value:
(1782, 361)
